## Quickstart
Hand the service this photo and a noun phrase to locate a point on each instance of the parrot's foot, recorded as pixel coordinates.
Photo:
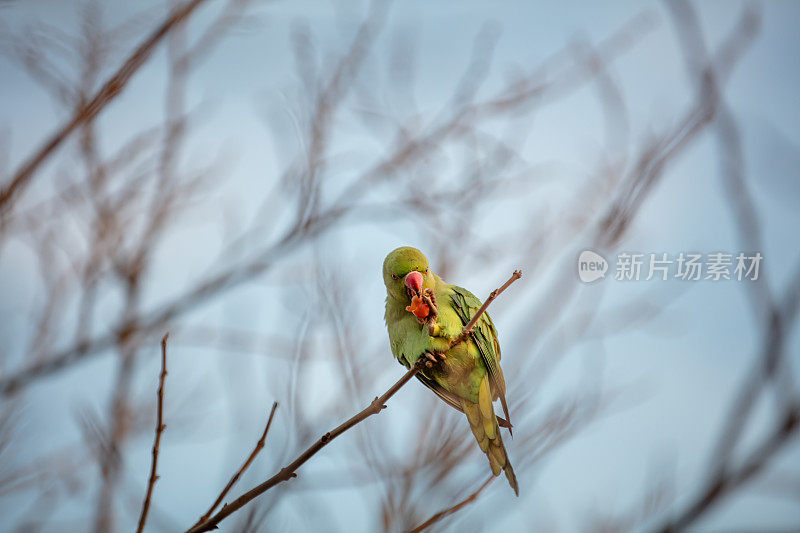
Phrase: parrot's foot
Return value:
(434, 359)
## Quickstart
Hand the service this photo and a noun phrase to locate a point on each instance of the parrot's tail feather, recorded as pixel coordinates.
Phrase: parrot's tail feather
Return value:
(512, 478)
(483, 423)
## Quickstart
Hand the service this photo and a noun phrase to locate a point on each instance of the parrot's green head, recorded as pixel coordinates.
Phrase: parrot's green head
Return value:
(406, 273)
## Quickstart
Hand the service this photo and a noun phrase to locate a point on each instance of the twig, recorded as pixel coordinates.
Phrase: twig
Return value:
(377, 405)
(455, 508)
(288, 471)
(159, 430)
(495, 293)
(245, 466)
(90, 110)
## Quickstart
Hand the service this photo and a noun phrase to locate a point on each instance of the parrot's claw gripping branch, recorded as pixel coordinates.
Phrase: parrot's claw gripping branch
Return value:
(433, 358)
(375, 407)
(430, 300)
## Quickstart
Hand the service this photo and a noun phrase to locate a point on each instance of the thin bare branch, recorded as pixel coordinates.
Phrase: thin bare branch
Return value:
(160, 426)
(375, 407)
(245, 466)
(289, 471)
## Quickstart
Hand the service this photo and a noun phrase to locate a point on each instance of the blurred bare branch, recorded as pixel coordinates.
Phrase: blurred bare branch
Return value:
(309, 226)
(88, 111)
(454, 509)
(776, 319)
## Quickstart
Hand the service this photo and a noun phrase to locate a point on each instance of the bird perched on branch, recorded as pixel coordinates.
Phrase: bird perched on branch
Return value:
(425, 317)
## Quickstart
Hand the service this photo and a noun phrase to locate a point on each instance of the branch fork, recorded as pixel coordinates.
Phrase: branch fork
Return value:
(374, 407)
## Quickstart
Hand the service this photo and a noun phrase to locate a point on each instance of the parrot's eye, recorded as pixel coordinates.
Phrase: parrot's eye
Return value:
(395, 276)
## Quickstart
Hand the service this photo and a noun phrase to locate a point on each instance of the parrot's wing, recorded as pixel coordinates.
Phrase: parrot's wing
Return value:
(485, 336)
(451, 399)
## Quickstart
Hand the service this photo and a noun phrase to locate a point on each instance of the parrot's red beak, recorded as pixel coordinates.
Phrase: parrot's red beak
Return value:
(414, 281)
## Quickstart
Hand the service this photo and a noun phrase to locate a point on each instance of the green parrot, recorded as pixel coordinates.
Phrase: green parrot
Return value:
(423, 315)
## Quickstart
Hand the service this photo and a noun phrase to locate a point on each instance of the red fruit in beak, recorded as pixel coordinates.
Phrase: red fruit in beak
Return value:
(419, 308)
(414, 281)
